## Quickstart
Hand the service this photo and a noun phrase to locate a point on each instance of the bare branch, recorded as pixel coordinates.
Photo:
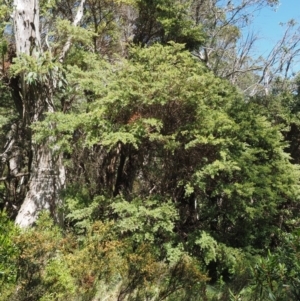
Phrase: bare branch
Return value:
(243, 71)
(76, 21)
(282, 56)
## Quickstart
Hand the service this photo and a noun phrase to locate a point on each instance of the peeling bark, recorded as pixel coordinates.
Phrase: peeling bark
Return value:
(47, 173)
(47, 180)
(26, 25)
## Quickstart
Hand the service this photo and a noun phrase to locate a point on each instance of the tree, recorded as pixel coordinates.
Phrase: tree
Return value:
(164, 21)
(211, 29)
(35, 96)
(171, 129)
(32, 71)
(33, 86)
(174, 178)
(232, 56)
(225, 51)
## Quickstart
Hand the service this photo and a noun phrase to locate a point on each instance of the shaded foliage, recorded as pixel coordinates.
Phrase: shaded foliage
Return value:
(178, 186)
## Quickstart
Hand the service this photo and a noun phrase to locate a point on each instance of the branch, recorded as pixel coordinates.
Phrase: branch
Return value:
(243, 71)
(14, 176)
(76, 21)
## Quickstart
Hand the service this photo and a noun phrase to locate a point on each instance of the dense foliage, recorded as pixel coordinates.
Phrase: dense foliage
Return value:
(180, 185)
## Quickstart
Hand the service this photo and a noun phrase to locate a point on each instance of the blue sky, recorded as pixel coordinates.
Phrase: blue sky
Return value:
(266, 23)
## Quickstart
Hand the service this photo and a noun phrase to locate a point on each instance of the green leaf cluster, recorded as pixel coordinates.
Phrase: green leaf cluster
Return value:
(166, 21)
(177, 185)
(8, 256)
(218, 149)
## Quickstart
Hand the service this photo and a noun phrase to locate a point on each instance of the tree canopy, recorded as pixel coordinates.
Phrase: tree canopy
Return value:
(145, 154)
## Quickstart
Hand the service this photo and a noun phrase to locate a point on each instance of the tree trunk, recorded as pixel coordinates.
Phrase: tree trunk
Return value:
(47, 179)
(47, 173)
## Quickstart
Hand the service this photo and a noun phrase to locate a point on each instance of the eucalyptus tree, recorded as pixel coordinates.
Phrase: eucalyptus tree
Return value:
(37, 78)
(230, 49)
(34, 78)
(36, 40)
(223, 22)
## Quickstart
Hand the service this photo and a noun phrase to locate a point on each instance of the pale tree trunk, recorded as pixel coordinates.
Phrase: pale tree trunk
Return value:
(47, 174)
(47, 179)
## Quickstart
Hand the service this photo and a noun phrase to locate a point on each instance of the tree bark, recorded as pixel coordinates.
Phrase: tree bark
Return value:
(47, 174)
(46, 182)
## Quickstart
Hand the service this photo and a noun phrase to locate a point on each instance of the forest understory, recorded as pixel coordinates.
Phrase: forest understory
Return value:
(147, 153)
